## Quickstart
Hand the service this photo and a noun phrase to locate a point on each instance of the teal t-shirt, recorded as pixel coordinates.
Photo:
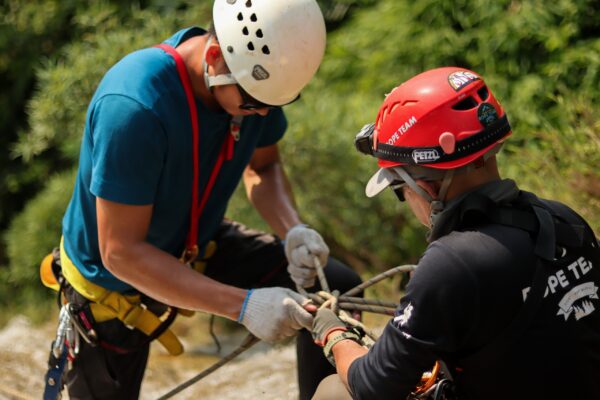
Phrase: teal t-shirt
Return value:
(137, 150)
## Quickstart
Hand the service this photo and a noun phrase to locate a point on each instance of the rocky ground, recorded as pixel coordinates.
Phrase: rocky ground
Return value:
(263, 372)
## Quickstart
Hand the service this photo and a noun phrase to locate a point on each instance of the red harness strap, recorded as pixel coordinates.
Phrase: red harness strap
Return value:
(226, 153)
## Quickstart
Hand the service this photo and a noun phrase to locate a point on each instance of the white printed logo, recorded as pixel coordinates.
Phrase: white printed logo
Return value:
(564, 278)
(460, 79)
(567, 304)
(425, 156)
(403, 319)
(402, 130)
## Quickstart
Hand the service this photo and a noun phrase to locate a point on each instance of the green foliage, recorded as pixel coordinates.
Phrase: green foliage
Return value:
(29, 30)
(57, 113)
(70, 79)
(32, 235)
(541, 59)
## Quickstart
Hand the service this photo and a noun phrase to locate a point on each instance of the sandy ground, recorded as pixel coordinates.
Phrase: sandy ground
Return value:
(263, 372)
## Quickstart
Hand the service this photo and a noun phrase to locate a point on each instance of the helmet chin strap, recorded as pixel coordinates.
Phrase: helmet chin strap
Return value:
(413, 184)
(437, 205)
(217, 80)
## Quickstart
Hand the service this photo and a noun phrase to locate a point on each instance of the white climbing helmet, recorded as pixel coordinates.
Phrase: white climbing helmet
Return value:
(272, 48)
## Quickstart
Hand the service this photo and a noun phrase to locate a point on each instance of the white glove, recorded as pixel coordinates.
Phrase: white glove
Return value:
(302, 245)
(275, 313)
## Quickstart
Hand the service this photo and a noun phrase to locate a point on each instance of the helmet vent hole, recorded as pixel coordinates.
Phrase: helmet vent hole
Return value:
(245, 31)
(483, 93)
(265, 49)
(249, 3)
(259, 33)
(240, 17)
(250, 46)
(253, 18)
(465, 104)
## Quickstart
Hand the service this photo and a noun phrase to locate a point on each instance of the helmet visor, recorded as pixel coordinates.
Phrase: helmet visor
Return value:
(396, 177)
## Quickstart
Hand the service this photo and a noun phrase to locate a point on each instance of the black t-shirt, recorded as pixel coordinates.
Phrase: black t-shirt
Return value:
(468, 287)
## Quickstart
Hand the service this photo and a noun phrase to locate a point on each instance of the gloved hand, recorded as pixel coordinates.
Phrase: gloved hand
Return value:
(324, 323)
(302, 245)
(274, 313)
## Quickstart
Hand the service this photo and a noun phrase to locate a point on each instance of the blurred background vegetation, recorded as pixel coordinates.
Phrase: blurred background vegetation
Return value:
(541, 59)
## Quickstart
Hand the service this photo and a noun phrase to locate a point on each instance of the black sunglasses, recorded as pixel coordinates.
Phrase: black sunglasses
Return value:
(250, 103)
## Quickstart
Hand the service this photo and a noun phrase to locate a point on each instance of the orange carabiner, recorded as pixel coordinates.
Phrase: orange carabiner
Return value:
(428, 379)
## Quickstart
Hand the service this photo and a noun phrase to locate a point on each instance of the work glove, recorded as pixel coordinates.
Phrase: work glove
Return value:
(302, 245)
(272, 314)
(325, 322)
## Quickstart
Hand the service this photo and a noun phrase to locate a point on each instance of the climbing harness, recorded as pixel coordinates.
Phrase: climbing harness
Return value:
(60, 349)
(436, 384)
(57, 270)
(191, 244)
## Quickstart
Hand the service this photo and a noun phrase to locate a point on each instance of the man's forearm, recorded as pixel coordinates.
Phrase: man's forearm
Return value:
(345, 352)
(269, 192)
(162, 277)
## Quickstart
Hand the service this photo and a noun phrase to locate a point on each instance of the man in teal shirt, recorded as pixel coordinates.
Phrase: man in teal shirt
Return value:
(134, 210)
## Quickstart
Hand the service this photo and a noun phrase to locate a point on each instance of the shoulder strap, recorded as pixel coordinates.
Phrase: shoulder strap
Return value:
(572, 231)
(191, 248)
(519, 324)
(530, 214)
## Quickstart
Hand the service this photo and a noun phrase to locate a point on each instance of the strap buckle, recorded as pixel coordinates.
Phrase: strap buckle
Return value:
(189, 254)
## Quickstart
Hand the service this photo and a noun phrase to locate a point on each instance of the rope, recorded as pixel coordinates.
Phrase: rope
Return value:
(349, 303)
(372, 309)
(348, 298)
(211, 330)
(321, 275)
(248, 342)
(380, 277)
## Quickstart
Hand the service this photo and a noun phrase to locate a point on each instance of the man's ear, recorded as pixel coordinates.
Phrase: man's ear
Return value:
(433, 188)
(213, 54)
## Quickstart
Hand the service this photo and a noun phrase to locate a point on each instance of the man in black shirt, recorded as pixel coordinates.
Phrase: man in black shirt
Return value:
(506, 295)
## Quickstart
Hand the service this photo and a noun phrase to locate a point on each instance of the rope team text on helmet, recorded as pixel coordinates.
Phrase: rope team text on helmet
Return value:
(431, 126)
(272, 48)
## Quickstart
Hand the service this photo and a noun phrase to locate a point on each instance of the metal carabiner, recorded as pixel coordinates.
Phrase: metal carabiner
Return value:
(61, 331)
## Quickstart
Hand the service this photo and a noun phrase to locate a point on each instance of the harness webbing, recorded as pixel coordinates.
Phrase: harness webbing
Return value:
(106, 305)
(226, 153)
(548, 231)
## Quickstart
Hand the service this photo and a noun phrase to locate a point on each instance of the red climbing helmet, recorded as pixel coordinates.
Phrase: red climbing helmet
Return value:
(443, 118)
